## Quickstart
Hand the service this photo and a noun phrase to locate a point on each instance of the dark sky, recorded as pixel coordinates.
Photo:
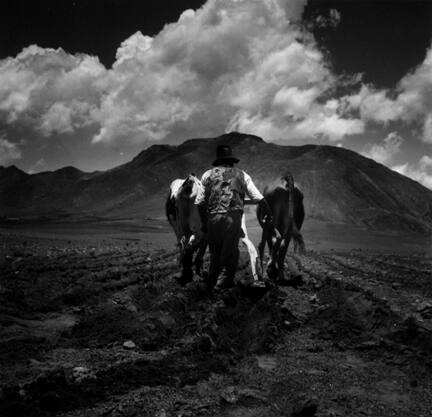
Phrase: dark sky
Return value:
(381, 38)
(96, 27)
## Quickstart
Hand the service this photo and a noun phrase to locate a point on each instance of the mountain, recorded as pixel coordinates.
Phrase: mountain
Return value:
(340, 186)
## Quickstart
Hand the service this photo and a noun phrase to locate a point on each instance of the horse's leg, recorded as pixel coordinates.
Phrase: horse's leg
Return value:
(186, 256)
(187, 272)
(272, 265)
(283, 247)
(299, 245)
(199, 257)
(261, 246)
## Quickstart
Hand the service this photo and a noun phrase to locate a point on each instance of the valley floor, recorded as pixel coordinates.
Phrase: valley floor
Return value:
(354, 339)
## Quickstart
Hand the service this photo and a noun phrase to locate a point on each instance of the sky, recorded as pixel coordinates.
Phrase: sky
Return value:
(92, 83)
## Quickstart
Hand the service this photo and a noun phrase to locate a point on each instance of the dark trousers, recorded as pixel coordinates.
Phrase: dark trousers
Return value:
(224, 233)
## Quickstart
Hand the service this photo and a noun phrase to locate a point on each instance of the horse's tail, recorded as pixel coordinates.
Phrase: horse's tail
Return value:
(297, 236)
(289, 186)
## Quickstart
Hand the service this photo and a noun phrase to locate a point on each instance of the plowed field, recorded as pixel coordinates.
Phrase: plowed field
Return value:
(89, 330)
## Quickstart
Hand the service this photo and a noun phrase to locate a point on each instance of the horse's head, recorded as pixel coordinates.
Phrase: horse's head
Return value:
(191, 186)
(287, 180)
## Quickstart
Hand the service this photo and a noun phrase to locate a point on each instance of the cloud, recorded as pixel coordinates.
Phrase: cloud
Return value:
(427, 129)
(215, 65)
(331, 20)
(317, 125)
(421, 172)
(8, 151)
(374, 105)
(66, 117)
(232, 64)
(384, 153)
(49, 89)
(410, 101)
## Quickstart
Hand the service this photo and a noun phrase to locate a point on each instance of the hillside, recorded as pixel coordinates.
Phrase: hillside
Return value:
(340, 186)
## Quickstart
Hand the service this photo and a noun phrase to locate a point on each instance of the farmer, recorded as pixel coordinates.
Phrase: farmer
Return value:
(221, 209)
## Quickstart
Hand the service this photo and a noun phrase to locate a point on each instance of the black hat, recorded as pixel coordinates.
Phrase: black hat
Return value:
(224, 155)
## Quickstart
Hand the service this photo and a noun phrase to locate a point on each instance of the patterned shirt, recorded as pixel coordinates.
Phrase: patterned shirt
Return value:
(225, 189)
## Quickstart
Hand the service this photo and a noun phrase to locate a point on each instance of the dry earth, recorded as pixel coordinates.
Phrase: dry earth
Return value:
(354, 339)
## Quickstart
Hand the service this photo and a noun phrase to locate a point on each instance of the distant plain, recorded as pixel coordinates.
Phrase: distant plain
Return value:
(155, 233)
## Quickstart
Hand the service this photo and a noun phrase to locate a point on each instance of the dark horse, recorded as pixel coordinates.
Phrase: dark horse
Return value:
(286, 204)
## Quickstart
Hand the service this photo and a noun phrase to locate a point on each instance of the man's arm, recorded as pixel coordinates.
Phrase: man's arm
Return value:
(252, 191)
(256, 197)
(201, 202)
(200, 199)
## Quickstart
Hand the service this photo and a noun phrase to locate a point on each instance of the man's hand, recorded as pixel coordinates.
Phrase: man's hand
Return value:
(268, 215)
(268, 218)
(250, 201)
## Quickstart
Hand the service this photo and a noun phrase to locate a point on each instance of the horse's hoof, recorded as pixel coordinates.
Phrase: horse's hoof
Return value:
(272, 273)
(256, 290)
(258, 284)
(184, 278)
(293, 281)
(181, 280)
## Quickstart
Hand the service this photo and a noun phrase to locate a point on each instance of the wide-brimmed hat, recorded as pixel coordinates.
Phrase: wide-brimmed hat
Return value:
(224, 155)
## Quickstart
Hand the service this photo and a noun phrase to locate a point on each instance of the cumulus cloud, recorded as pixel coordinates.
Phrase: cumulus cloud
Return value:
(374, 105)
(8, 151)
(421, 172)
(410, 101)
(49, 89)
(384, 153)
(416, 90)
(224, 63)
(232, 64)
(427, 129)
(66, 117)
(317, 124)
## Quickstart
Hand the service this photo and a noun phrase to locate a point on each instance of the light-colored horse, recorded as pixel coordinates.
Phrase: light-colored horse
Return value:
(183, 216)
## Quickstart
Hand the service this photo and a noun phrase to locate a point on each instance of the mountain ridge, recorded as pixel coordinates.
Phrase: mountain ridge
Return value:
(340, 186)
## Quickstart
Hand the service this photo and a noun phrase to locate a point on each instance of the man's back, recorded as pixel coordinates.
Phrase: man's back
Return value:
(225, 189)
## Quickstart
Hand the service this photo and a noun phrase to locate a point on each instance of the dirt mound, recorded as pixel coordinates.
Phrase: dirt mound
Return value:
(192, 336)
(357, 319)
(243, 325)
(113, 324)
(348, 314)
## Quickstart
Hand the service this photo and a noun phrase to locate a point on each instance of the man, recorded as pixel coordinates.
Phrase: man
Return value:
(221, 208)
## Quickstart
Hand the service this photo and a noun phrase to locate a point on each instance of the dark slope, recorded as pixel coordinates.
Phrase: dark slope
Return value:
(339, 185)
